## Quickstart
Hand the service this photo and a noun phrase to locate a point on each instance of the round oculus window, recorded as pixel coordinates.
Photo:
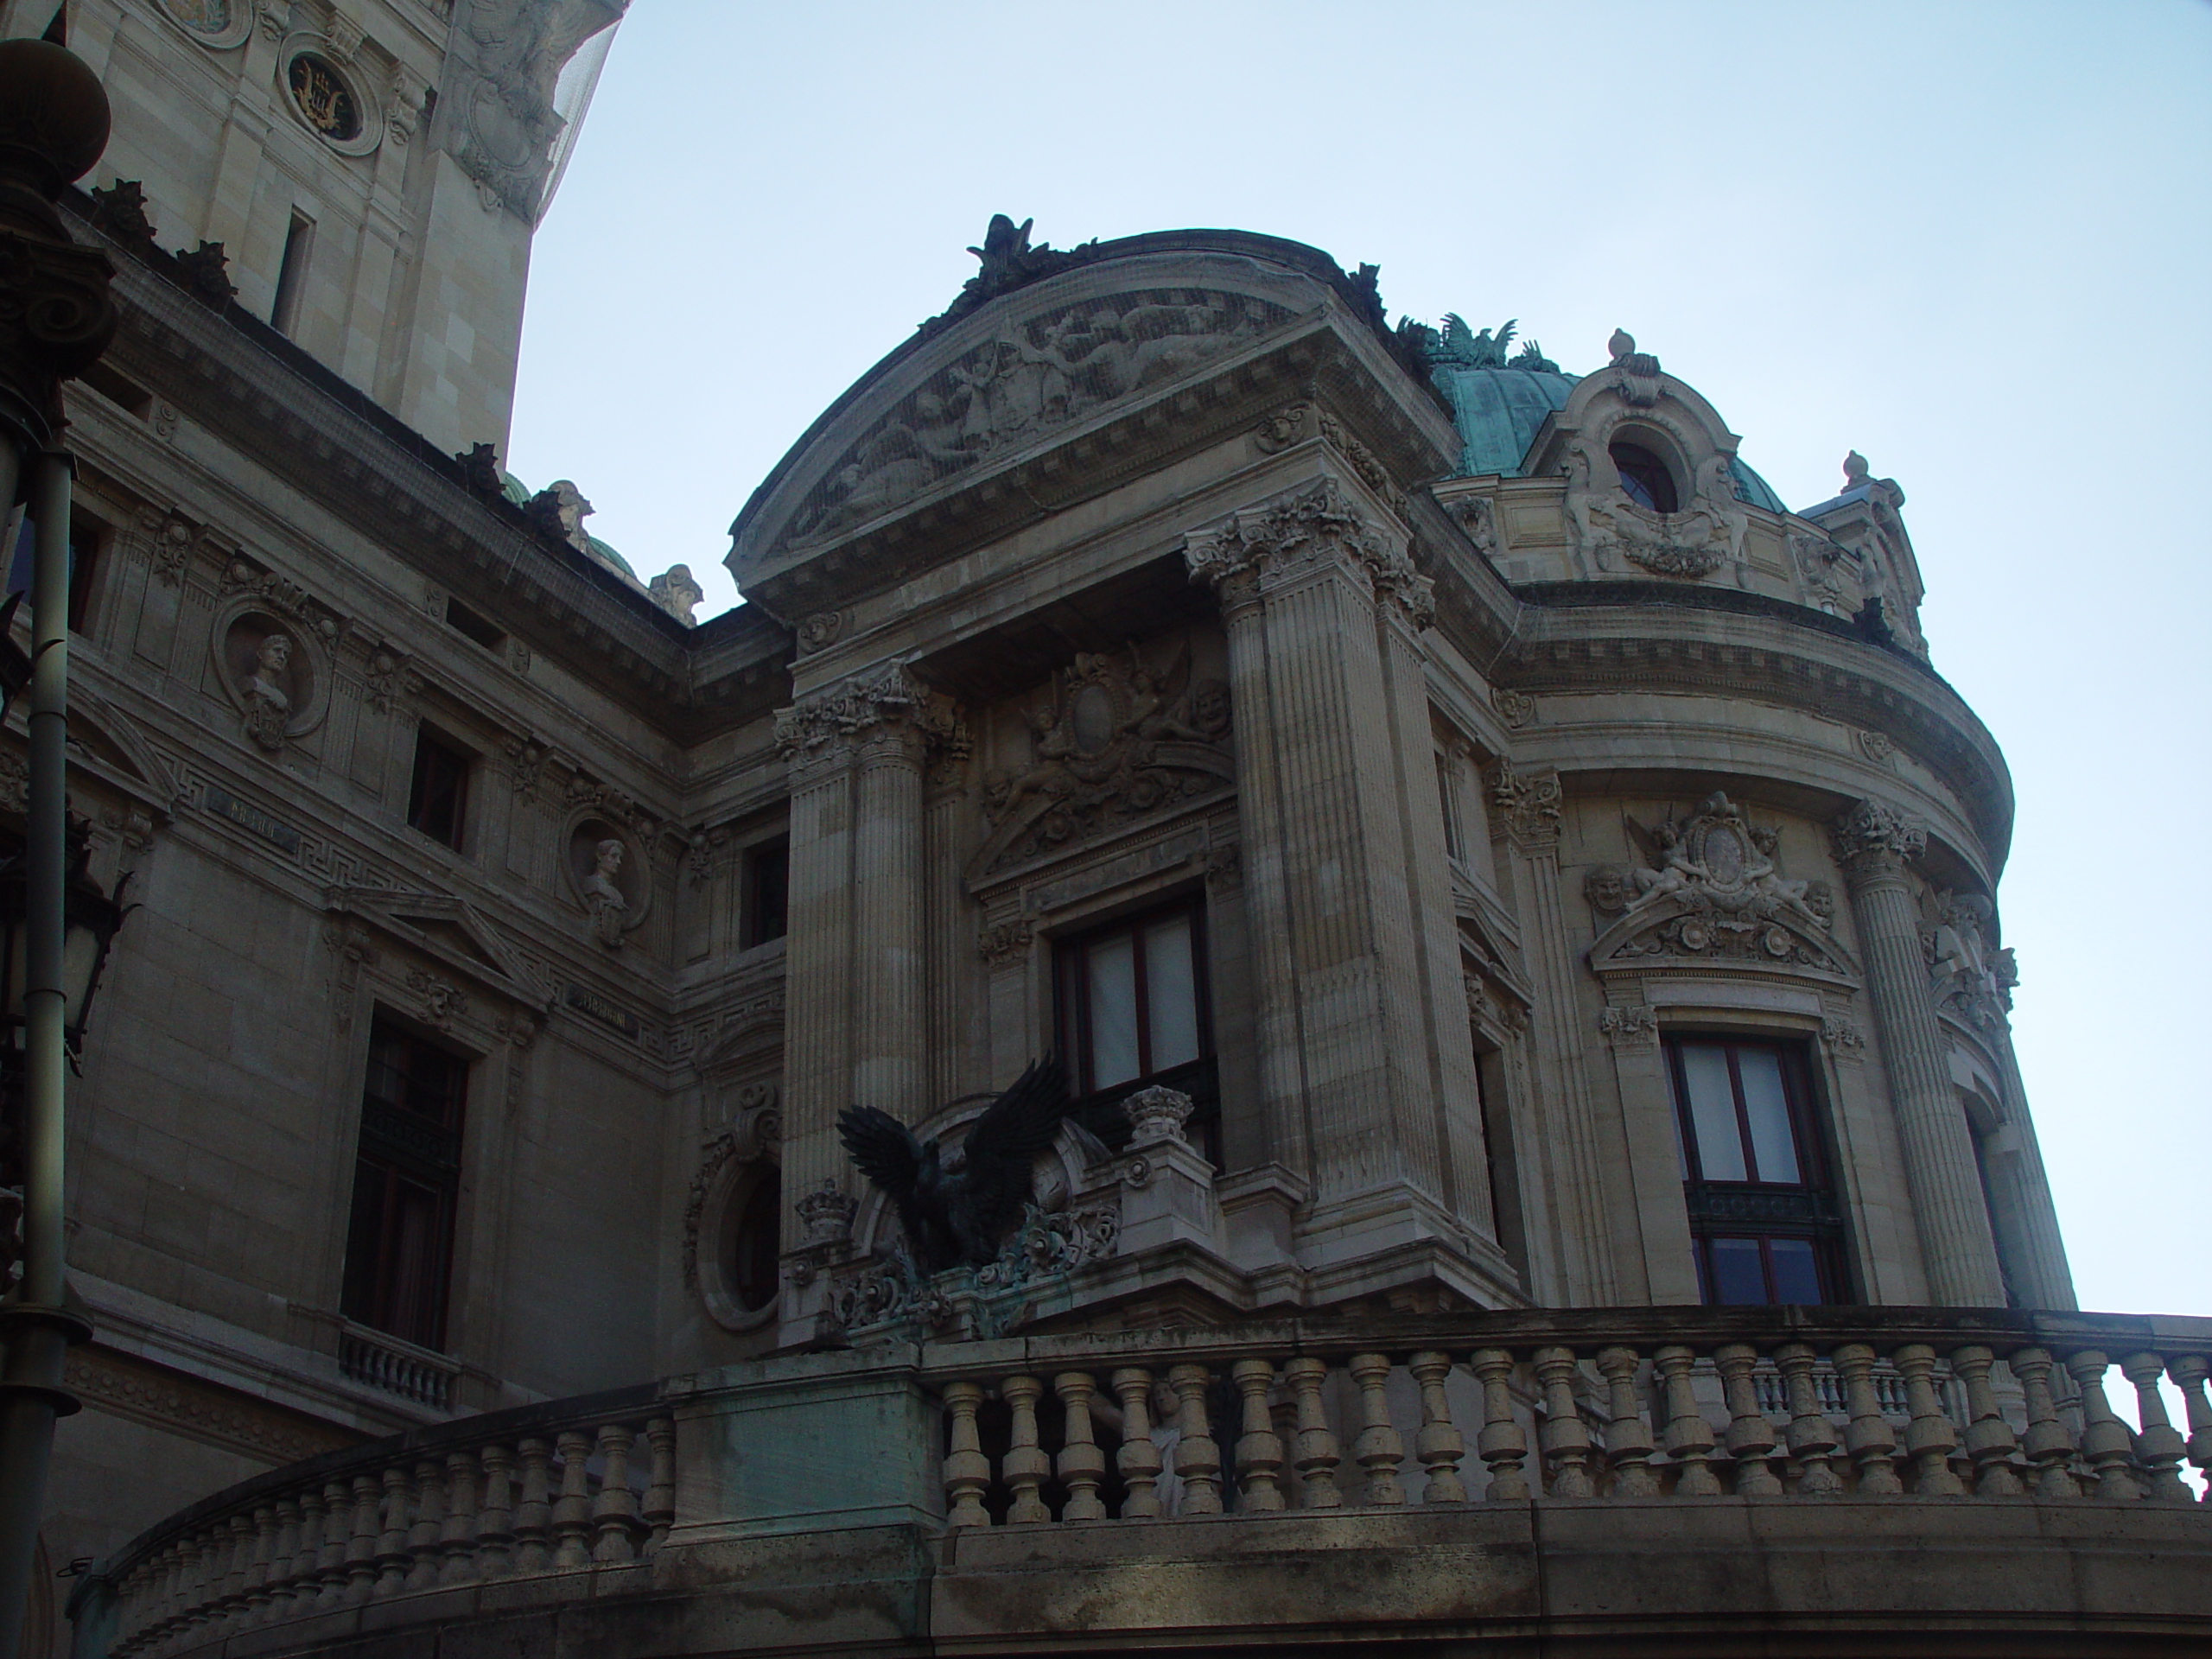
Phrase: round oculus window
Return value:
(1644, 477)
(323, 97)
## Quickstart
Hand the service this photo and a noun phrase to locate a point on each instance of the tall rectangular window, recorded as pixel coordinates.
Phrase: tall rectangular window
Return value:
(1133, 1011)
(1448, 795)
(1763, 1216)
(292, 274)
(400, 1240)
(767, 892)
(85, 538)
(437, 804)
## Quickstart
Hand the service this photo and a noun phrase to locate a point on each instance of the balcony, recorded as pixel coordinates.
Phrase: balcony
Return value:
(1617, 1480)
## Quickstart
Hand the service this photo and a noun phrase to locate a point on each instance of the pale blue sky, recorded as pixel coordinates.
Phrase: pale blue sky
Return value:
(1969, 239)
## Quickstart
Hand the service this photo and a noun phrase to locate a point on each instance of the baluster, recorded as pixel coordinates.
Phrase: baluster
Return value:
(534, 1512)
(393, 1557)
(1562, 1437)
(1198, 1458)
(1811, 1437)
(1438, 1444)
(1628, 1441)
(260, 1557)
(1258, 1449)
(967, 1471)
(1688, 1436)
(1377, 1448)
(2158, 1448)
(430, 1522)
(614, 1512)
(1081, 1465)
(457, 1537)
(659, 1512)
(284, 1555)
(1317, 1455)
(1869, 1439)
(2189, 1372)
(1750, 1432)
(1138, 1460)
(192, 1583)
(1024, 1466)
(495, 1533)
(231, 1612)
(362, 1538)
(2049, 1447)
(1501, 1444)
(337, 1530)
(572, 1510)
(2104, 1439)
(1989, 1438)
(1930, 1439)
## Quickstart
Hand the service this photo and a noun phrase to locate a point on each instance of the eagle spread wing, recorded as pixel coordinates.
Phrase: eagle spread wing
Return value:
(1005, 1143)
(883, 1148)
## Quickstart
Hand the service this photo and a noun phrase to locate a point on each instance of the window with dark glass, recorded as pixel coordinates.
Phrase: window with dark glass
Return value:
(1644, 477)
(1763, 1216)
(767, 892)
(1133, 1012)
(438, 802)
(400, 1240)
(85, 537)
(471, 625)
(751, 1266)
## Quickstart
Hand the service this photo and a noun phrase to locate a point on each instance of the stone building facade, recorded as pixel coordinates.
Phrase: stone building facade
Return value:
(1479, 855)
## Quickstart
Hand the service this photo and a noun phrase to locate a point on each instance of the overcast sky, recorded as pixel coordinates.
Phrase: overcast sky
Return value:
(1971, 240)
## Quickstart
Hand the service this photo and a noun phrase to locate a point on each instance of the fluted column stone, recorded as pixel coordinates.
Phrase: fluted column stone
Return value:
(1321, 606)
(1873, 842)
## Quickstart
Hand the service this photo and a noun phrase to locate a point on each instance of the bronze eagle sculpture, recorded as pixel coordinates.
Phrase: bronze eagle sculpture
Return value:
(958, 1205)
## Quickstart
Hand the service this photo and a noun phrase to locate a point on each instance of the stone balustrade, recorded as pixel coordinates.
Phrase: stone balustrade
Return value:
(382, 1362)
(574, 1488)
(1586, 1404)
(1696, 1429)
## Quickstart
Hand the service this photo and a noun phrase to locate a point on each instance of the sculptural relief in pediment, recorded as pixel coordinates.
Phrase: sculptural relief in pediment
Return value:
(1029, 377)
(1115, 737)
(1710, 891)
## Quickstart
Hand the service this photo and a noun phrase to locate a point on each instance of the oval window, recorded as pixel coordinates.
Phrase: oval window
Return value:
(750, 1258)
(1644, 477)
(324, 99)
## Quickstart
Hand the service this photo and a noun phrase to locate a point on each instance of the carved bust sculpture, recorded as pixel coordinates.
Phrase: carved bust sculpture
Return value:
(609, 909)
(268, 691)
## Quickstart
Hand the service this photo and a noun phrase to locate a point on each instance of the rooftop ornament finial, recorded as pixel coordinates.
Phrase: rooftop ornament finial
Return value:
(1635, 373)
(1009, 262)
(1854, 471)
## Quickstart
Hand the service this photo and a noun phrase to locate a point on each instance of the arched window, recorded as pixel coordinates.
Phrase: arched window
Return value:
(1644, 477)
(751, 1241)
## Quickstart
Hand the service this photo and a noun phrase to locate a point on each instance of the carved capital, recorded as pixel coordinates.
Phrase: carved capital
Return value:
(886, 696)
(1293, 532)
(1634, 1025)
(1528, 807)
(59, 315)
(1157, 1115)
(1874, 839)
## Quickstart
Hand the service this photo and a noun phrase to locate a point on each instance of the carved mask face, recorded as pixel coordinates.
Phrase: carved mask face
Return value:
(1606, 889)
(1209, 708)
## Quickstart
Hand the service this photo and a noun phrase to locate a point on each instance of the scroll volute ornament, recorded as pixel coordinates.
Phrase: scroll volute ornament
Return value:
(56, 315)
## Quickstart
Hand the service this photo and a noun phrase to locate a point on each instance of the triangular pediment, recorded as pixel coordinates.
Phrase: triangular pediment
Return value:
(1758, 935)
(447, 930)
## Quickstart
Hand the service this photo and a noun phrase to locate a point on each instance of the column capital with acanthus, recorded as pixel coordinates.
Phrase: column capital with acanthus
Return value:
(1238, 555)
(853, 710)
(1873, 839)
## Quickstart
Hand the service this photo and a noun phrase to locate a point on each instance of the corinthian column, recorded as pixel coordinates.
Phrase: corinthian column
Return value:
(1872, 842)
(1356, 1076)
(888, 1063)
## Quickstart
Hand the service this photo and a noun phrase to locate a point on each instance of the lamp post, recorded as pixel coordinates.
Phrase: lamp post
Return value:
(56, 318)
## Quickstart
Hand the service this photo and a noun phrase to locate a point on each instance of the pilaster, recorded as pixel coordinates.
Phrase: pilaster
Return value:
(1320, 608)
(1872, 842)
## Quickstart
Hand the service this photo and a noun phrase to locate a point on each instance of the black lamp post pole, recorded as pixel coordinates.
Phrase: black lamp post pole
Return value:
(55, 320)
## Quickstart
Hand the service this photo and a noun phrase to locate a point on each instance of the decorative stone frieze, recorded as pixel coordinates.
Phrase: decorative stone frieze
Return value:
(1002, 944)
(1515, 709)
(438, 999)
(1844, 1039)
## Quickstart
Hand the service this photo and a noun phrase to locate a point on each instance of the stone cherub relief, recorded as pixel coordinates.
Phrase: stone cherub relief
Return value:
(1115, 737)
(1710, 888)
(1035, 375)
